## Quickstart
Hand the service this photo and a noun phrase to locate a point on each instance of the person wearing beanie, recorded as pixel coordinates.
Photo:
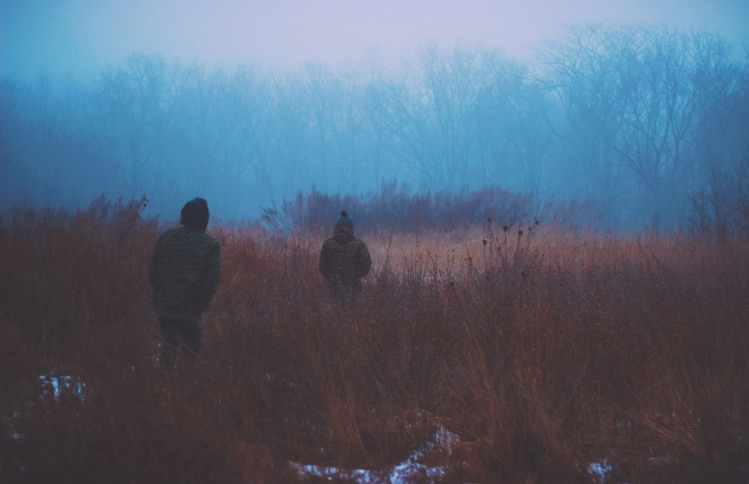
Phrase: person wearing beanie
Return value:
(344, 219)
(184, 271)
(344, 260)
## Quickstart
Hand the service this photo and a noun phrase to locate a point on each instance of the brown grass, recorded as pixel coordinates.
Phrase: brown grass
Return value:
(541, 352)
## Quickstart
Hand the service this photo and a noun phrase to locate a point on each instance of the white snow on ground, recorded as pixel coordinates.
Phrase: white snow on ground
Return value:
(56, 384)
(402, 473)
(405, 472)
(599, 470)
(411, 470)
(408, 471)
(50, 386)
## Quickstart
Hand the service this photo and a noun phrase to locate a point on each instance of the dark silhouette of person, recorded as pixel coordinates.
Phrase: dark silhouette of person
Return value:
(184, 272)
(344, 260)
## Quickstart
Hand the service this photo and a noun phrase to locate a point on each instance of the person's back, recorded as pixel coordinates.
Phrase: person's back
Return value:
(344, 259)
(184, 272)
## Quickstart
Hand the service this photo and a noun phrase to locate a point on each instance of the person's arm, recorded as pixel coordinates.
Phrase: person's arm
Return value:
(324, 264)
(153, 264)
(211, 275)
(365, 260)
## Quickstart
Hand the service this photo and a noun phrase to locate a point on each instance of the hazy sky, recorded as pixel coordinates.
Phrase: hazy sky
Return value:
(80, 37)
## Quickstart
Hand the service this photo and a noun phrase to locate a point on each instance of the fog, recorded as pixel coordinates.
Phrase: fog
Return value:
(81, 37)
(641, 108)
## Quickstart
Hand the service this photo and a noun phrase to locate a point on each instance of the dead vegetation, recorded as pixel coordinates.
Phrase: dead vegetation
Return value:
(541, 352)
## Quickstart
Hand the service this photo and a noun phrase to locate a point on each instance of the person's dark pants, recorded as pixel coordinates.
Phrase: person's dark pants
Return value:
(345, 294)
(176, 333)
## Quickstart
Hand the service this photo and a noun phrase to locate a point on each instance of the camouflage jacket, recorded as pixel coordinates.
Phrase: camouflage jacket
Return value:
(184, 272)
(344, 259)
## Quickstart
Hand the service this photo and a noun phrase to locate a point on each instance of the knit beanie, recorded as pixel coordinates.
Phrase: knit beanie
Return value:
(195, 214)
(345, 220)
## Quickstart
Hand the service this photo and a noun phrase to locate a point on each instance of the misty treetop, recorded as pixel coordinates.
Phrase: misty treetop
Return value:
(649, 124)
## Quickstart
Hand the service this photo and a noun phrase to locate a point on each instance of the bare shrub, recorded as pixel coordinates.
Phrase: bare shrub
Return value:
(397, 208)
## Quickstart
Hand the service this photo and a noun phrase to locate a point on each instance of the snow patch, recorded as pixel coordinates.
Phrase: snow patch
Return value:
(407, 471)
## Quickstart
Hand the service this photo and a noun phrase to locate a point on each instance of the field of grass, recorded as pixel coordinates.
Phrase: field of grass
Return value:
(536, 354)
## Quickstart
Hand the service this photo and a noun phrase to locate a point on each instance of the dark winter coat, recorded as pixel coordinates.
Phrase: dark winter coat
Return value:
(184, 272)
(344, 259)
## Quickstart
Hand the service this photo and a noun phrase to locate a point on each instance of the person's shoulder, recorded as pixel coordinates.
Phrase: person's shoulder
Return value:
(208, 236)
(207, 239)
(329, 242)
(190, 236)
(169, 234)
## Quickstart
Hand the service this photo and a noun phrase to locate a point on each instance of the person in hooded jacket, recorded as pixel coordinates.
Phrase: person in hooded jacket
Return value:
(344, 260)
(184, 272)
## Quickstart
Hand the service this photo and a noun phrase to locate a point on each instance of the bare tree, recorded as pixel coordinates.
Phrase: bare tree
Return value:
(514, 131)
(140, 98)
(719, 196)
(583, 70)
(432, 114)
(633, 99)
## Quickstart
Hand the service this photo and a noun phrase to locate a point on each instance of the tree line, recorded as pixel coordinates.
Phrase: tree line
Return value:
(649, 124)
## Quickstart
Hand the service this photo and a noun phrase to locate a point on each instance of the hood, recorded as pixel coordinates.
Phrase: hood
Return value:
(195, 214)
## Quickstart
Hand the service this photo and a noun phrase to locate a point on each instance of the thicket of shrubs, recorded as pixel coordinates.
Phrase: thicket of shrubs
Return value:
(541, 353)
(396, 207)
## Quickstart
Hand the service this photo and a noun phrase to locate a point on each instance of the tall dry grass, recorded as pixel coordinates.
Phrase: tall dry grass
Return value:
(541, 353)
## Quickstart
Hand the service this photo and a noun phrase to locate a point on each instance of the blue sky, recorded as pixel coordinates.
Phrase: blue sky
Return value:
(81, 37)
